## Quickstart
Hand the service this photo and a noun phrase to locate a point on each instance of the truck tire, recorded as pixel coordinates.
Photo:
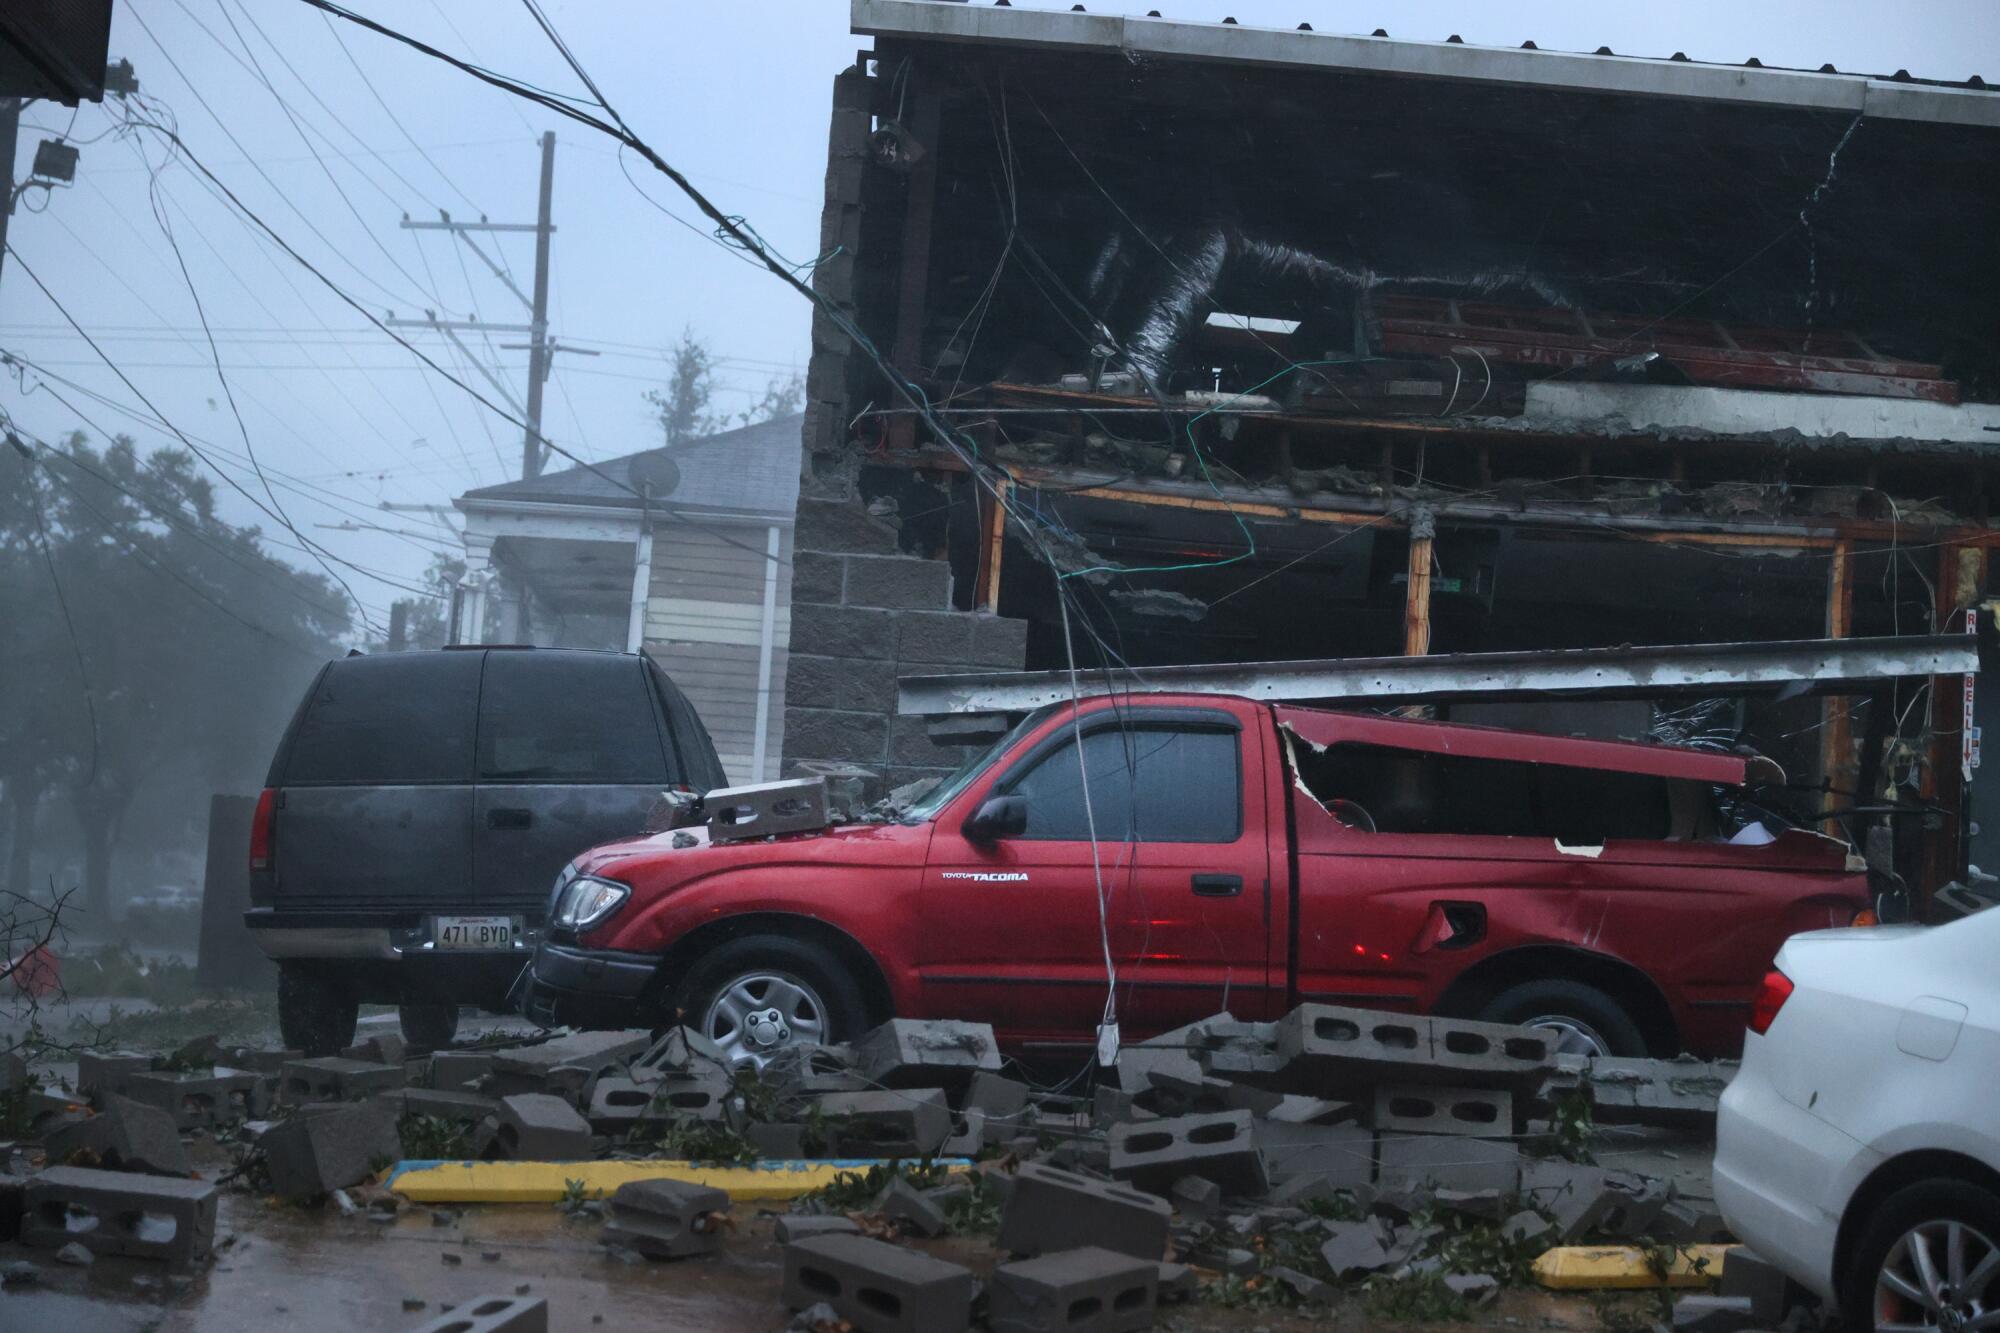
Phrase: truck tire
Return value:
(1928, 1209)
(1583, 1018)
(759, 994)
(429, 1026)
(315, 1015)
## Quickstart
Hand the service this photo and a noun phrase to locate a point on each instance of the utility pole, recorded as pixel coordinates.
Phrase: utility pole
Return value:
(10, 142)
(541, 348)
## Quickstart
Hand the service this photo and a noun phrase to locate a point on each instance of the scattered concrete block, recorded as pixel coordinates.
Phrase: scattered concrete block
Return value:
(1692, 1222)
(1152, 1154)
(1526, 1225)
(1435, 1109)
(453, 1071)
(117, 1212)
(519, 1069)
(919, 1215)
(916, 1052)
(335, 1078)
(908, 1123)
(968, 1136)
(1303, 1285)
(384, 1048)
(1358, 1247)
(881, 1288)
(124, 1136)
(1196, 1197)
(1295, 1109)
(784, 1142)
(995, 1096)
(492, 1314)
(682, 1050)
(1569, 1193)
(618, 1104)
(196, 1100)
(666, 1219)
(1749, 1276)
(1713, 1314)
(1177, 1282)
(793, 805)
(437, 1103)
(1675, 1094)
(1323, 1050)
(1169, 1056)
(46, 1112)
(1088, 1290)
(1476, 1288)
(537, 1127)
(1052, 1209)
(313, 1154)
(796, 1226)
(256, 1060)
(1417, 1161)
(101, 1074)
(1341, 1155)
(1629, 1207)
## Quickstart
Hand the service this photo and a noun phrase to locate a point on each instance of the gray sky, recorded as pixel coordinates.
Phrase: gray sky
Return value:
(733, 92)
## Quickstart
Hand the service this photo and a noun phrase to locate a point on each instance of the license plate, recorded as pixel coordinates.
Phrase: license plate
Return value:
(474, 932)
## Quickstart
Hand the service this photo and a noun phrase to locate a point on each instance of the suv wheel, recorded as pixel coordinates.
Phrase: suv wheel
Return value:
(430, 1026)
(1582, 1019)
(314, 1015)
(1929, 1258)
(763, 994)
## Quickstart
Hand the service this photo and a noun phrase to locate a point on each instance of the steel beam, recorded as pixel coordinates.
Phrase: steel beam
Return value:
(1821, 666)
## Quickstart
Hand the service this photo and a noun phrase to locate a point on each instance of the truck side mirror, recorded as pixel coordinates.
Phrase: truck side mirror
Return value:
(998, 817)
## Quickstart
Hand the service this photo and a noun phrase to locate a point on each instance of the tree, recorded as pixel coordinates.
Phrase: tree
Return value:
(682, 408)
(184, 650)
(783, 395)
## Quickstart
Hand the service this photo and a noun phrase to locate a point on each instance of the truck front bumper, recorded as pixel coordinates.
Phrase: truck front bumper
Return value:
(590, 988)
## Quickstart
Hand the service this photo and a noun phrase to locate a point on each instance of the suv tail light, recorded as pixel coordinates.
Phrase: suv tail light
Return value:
(1771, 997)
(262, 827)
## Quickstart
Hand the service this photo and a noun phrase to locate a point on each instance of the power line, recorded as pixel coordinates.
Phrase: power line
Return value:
(62, 601)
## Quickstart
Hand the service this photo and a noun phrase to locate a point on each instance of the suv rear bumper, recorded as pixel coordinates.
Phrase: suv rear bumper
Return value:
(387, 957)
(577, 987)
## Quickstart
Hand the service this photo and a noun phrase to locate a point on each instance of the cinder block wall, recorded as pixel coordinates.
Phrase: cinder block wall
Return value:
(862, 614)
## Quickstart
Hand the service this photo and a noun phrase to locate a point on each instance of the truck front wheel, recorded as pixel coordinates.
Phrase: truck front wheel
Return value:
(315, 1015)
(761, 994)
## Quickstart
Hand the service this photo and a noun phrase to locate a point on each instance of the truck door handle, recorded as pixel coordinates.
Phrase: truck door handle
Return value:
(1218, 886)
(509, 818)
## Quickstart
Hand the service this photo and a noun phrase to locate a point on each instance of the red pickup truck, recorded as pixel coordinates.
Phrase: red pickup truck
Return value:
(1250, 857)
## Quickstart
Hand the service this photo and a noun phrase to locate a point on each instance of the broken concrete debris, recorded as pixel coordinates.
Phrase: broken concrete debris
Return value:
(666, 1219)
(1088, 1288)
(328, 1147)
(120, 1213)
(877, 1285)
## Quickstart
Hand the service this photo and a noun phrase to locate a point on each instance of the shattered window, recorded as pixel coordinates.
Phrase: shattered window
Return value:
(1146, 785)
(1385, 790)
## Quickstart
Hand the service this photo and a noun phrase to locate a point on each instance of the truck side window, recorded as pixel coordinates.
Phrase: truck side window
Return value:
(558, 717)
(1147, 784)
(397, 718)
(1413, 791)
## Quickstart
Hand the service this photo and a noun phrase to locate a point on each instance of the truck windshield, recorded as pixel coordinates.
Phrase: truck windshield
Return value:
(942, 794)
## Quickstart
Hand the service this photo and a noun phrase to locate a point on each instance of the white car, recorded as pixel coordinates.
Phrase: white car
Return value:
(1859, 1147)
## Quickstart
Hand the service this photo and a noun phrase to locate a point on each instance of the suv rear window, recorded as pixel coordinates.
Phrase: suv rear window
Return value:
(568, 717)
(398, 718)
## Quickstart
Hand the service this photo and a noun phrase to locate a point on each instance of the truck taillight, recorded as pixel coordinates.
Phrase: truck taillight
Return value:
(261, 829)
(1771, 997)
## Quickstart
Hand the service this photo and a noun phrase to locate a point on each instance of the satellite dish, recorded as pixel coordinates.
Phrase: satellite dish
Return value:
(654, 473)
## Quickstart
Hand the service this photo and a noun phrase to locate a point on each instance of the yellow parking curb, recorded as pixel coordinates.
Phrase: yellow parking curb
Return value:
(548, 1182)
(1628, 1267)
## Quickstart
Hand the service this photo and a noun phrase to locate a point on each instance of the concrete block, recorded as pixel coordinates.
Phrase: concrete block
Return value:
(844, 527)
(1177, 1282)
(335, 1078)
(840, 683)
(782, 1142)
(437, 1103)
(1749, 1276)
(597, 1052)
(1052, 1209)
(101, 1074)
(124, 1136)
(1476, 1288)
(618, 1104)
(194, 1099)
(384, 1048)
(682, 1050)
(818, 733)
(818, 579)
(459, 1071)
(1358, 1247)
(998, 642)
(1196, 1197)
(1303, 1285)
(46, 1112)
(1692, 1222)
(1713, 1314)
(1088, 1290)
(879, 1288)
(1152, 1154)
(1570, 1194)
(264, 1061)
(1000, 1099)
(1436, 1109)
(311, 1155)
(1327, 1050)
(1629, 1207)
(933, 636)
(666, 1219)
(119, 1213)
(1673, 1094)
(1419, 1161)
(791, 1227)
(908, 1123)
(492, 1314)
(968, 1136)
(898, 582)
(911, 743)
(1341, 1155)
(919, 1215)
(847, 632)
(538, 1127)
(926, 1053)
(794, 805)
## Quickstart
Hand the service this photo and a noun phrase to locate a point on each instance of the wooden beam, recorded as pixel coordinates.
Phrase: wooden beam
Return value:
(1836, 755)
(1417, 596)
(992, 546)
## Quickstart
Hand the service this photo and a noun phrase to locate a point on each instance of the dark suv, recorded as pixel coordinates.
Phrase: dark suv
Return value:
(422, 804)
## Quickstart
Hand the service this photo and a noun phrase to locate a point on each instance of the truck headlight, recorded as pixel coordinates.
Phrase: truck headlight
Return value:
(588, 901)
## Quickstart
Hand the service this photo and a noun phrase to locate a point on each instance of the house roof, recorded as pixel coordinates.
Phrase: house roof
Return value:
(1893, 97)
(750, 470)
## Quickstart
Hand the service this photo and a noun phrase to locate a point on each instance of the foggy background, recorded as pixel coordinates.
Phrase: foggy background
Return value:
(160, 614)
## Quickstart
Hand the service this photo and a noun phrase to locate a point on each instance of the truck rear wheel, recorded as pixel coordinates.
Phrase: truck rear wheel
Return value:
(430, 1026)
(761, 994)
(1582, 1019)
(315, 1015)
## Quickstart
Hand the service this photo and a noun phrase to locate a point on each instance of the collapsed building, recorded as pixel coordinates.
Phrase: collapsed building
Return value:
(1225, 344)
